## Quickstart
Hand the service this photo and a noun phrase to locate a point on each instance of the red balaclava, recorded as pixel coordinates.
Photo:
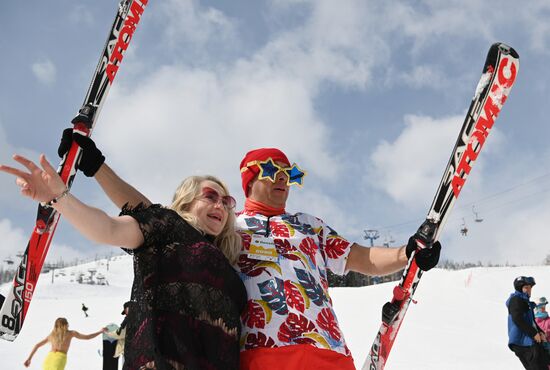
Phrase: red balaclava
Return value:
(262, 154)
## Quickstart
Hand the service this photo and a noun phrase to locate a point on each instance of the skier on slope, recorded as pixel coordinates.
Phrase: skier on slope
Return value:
(289, 321)
(525, 337)
(85, 310)
(543, 321)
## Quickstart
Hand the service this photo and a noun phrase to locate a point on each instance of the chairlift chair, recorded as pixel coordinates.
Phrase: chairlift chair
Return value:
(476, 215)
(464, 228)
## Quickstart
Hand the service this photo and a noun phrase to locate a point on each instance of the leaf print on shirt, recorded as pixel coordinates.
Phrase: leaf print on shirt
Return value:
(256, 314)
(293, 327)
(319, 339)
(313, 290)
(327, 322)
(285, 248)
(295, 223)
(251, 267)
(324, 280)
(280, 229)
(336, 246)
(245, 240)
(256, 225)
(309, 248)
(258, 340)
(296, 296)
(273, 293)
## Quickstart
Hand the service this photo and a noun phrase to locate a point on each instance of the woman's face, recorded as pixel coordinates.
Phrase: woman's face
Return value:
(209, 208)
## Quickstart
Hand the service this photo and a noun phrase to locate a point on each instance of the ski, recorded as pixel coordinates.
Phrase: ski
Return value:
(499, 74)
(16, 303)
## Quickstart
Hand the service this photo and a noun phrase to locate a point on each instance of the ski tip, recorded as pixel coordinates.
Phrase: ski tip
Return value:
(506, 49)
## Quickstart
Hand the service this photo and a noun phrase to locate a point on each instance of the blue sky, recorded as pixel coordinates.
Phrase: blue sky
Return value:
(367, 96)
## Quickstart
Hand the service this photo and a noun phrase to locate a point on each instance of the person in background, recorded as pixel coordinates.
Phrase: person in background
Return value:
(543, 321)
(525, 337)
(85, 310)
(60, 340)
(121, 331)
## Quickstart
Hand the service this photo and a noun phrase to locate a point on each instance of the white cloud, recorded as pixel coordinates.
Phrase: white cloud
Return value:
(535, 16)
(14, 240)
(222, 112)
(408, 168)
(10, 193)
(186, 21)
(335, 43)
(81, 15)
(424, 76)
(204, 124)
(45, 72)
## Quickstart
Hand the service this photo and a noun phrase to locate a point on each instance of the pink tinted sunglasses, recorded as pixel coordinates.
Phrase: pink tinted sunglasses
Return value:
(213, 197)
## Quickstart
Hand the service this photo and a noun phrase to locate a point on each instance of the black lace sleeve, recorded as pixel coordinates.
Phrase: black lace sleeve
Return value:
(153, 220)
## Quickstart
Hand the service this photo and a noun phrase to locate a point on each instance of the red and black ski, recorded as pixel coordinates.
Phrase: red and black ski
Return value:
(16, 303)
(499, 74)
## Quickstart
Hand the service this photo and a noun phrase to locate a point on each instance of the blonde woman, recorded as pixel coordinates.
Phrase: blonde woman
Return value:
(60, 340)
(188, 296)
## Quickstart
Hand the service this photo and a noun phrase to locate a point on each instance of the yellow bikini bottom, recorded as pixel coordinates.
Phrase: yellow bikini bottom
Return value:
(55, 361)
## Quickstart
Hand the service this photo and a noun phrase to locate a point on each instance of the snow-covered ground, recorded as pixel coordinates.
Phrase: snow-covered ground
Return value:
(458, 323)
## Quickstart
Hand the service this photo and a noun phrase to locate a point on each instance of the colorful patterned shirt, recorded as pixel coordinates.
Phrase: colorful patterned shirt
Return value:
(288, 298)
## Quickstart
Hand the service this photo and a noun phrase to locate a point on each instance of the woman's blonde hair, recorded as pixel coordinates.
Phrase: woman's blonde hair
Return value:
(228, 240)
(59, 332)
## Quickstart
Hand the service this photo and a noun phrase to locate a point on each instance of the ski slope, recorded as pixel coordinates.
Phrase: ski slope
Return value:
(459, 321)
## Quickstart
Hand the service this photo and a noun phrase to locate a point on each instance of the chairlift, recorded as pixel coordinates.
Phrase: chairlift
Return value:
(388, 240)
(464, 228)
(8, 261)
(476, 215)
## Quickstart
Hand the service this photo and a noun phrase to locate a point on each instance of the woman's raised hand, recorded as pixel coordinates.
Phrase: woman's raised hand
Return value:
(41, 184)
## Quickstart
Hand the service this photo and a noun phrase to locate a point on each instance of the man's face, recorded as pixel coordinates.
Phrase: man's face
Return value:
(527, 289)
(273, 194)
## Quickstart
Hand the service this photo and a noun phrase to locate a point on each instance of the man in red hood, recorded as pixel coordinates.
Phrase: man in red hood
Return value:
(289, 322)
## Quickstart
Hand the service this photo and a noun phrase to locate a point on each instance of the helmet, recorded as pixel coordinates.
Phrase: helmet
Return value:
(521, 281)
(542, 301)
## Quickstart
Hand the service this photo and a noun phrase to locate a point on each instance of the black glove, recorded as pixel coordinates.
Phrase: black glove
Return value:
(91, 158)
(426, 258)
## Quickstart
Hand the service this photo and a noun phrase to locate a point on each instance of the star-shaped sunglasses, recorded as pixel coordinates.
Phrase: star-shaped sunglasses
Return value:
(269, 170)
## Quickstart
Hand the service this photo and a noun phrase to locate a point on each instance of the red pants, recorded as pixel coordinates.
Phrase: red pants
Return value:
(296, 357)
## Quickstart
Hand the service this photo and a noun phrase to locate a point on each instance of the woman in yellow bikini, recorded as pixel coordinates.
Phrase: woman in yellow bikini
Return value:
(60, 339)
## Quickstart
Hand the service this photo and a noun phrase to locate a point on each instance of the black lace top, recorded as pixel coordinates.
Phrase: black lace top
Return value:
(188, 298)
